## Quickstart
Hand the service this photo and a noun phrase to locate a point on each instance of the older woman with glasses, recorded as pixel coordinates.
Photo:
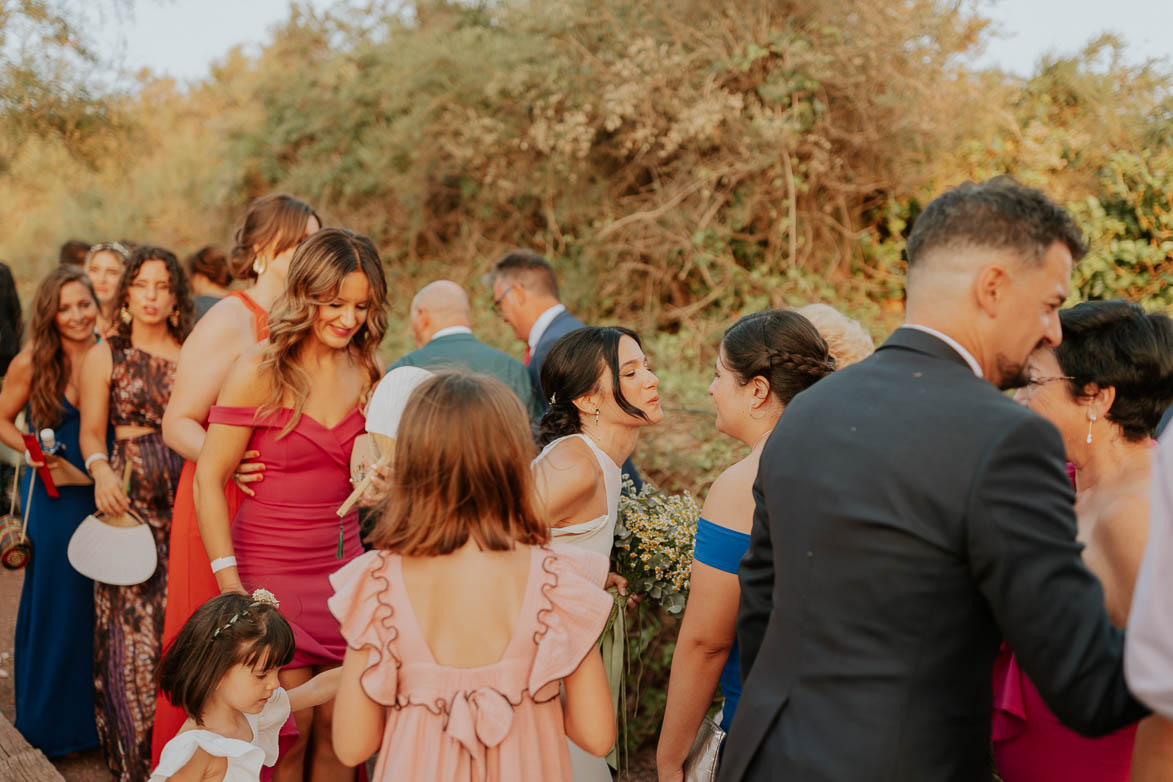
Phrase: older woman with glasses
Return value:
(1104, 388)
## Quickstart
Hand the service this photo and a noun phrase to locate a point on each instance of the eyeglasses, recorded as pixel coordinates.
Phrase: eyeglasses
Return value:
(1042, 381)
(1034, 383)
(504, 293)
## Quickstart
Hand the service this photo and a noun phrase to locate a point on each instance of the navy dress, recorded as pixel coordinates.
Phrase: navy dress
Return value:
(54, 653)
(722, 548)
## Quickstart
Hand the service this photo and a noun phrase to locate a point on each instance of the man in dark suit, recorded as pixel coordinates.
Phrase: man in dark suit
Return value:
(909, 517)
(441, 326)
(525, 293)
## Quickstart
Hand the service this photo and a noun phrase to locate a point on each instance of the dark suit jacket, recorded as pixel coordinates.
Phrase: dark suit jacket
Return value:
(908, 517)
(562, 324)
(464, 351)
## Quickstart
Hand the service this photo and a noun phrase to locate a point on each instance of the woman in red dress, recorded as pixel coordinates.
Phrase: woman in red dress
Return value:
(298, 401)
(272, 229)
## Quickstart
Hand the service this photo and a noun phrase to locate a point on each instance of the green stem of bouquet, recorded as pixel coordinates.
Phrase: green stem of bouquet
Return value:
(614, 649)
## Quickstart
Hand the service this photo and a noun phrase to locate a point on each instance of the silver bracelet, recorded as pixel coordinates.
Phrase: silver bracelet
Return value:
(219, 563)
(96, 457)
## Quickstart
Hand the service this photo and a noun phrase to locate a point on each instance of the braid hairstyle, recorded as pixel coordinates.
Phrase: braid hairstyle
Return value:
(780, 346)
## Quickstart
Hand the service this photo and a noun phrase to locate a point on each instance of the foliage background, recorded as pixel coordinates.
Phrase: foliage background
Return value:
(681, 163)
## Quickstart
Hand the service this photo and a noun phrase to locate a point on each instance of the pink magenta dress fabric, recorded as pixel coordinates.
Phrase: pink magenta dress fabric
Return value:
(1031, 745)
(286, 537)
(499, 722)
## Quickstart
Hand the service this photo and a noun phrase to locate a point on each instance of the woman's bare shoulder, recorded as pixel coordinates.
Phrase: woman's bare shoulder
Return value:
(730, 502)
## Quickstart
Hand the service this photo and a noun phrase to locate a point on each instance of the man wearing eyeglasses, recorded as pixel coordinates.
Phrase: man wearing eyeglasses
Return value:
(525, 294)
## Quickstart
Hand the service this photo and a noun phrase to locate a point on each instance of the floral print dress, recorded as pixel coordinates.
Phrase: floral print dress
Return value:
(128, 626)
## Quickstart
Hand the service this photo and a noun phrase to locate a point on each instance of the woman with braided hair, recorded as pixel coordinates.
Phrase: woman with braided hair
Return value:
(764, 361)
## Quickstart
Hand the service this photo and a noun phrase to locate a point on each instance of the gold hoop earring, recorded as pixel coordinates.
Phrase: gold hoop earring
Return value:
(125, 316)
(259, 265)
(596, 416)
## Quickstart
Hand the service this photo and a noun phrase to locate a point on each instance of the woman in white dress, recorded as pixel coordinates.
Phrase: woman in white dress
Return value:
(602, 392)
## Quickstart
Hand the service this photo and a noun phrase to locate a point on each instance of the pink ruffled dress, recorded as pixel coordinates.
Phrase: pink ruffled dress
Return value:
(496, 722)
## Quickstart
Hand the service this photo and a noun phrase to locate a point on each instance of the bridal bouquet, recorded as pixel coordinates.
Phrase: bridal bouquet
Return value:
(654, 537)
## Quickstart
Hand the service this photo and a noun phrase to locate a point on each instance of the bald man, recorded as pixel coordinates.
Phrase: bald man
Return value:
(441, 323)
(910, 517)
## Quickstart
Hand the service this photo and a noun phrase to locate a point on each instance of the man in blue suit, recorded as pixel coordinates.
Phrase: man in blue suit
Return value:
(525, 293)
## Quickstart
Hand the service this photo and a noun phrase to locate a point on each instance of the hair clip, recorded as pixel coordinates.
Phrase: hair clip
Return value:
(264, 597)
(553, 399)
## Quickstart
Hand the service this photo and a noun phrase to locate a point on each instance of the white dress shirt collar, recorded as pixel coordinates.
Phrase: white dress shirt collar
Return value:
(450, 331)
(542, 323)
(948, 340)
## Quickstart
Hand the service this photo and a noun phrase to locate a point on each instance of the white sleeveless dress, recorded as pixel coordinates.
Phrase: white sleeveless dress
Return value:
(597, 535)
(245, 758)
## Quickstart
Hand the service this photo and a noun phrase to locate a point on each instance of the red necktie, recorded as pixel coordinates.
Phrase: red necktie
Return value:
(526, 359)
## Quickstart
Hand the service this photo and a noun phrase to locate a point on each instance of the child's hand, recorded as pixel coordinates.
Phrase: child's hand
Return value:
(318, 690)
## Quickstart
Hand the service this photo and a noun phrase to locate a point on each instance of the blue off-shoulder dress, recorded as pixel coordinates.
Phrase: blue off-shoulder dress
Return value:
(54, 649)
(722, 548)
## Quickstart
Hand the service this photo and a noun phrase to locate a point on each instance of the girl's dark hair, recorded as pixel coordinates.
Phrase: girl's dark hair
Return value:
(575, 366)
(211, 263)
(179, 287)
(277, 221)
(1118, 344)
(780, 346)
(228, 629)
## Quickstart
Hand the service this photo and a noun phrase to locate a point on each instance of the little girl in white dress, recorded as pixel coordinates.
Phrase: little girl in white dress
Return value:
(222, 671)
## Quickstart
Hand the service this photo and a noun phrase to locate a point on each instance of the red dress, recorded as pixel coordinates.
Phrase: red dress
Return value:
(288, 538)
(190, 582)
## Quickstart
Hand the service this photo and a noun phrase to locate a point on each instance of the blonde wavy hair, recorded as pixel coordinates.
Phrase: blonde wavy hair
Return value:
(316, 273)
(847, 339)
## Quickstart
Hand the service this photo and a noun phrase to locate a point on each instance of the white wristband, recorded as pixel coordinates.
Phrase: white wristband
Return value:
(96, 457)
(220, 563)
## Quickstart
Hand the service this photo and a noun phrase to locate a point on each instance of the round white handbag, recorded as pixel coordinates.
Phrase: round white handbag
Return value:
(119, 550)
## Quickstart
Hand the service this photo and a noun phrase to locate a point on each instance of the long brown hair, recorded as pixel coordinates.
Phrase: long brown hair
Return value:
(462, 467)
(275, 222)
(315, 274)
(181, 326)
(51, 365)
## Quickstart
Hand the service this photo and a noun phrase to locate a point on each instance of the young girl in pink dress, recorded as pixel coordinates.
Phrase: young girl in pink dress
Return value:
(464, 623)
(298, 400)
(222, 671)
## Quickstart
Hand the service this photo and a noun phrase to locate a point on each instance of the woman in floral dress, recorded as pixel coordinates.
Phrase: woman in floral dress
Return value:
(126, 383)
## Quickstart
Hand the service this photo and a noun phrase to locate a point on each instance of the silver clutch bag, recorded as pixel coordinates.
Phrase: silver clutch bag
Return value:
(701, 764)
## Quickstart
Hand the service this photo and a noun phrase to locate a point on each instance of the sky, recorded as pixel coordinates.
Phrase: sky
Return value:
(182, 38)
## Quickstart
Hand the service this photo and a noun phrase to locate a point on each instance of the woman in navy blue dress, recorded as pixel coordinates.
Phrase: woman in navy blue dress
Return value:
(54, 624)
(765, 359)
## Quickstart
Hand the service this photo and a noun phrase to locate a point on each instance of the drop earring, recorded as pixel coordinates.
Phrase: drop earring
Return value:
(1091, 419)
(596, 416)
(125, 316)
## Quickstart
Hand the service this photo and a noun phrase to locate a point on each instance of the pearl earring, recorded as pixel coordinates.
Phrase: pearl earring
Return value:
(1091, 419)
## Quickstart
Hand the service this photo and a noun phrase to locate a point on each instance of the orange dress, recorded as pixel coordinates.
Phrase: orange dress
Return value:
(190, 582)
(493, 723)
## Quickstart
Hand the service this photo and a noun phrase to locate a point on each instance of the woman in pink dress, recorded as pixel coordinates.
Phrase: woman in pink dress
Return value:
(1104, 388)
(464, 621)
(298, 400)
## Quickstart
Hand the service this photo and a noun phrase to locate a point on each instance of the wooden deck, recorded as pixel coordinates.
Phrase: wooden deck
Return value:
(21, 763)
